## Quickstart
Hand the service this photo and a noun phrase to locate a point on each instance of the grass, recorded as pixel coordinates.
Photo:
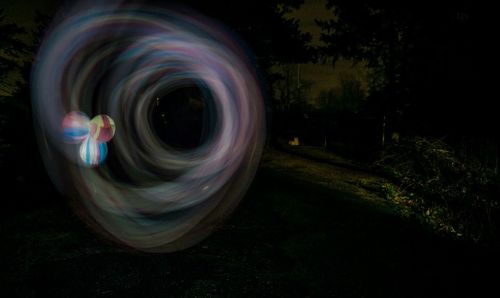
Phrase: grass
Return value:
(305, 229)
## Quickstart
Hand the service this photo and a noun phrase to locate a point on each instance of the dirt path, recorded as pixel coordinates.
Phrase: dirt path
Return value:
(340, 175)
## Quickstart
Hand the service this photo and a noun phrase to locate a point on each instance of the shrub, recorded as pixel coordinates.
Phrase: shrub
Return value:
(433, 183)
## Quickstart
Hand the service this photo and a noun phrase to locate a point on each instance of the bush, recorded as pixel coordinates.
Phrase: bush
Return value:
(432, 183)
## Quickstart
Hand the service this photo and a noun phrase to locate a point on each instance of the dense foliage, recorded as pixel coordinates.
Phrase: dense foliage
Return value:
(451, 195)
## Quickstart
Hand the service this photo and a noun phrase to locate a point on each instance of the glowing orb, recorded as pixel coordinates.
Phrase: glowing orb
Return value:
(102, 128)
(75, 127)
(93, 153)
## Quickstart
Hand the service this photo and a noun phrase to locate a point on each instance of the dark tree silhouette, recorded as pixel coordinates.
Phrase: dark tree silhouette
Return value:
(19, 159)
(428, 60)
(263, 25)
(275, 40)
(11, 50)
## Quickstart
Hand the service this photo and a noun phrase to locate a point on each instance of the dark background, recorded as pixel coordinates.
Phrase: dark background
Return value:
(392, 191)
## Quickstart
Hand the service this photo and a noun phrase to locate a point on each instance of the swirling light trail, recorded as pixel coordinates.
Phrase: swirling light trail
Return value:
(114, 60)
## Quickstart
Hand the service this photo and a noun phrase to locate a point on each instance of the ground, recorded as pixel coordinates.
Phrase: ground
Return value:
(305, 229)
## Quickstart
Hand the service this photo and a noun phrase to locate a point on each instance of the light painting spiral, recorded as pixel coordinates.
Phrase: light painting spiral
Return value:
(116, 60)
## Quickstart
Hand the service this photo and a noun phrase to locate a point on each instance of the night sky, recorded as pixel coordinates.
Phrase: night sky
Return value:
(322, 76)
